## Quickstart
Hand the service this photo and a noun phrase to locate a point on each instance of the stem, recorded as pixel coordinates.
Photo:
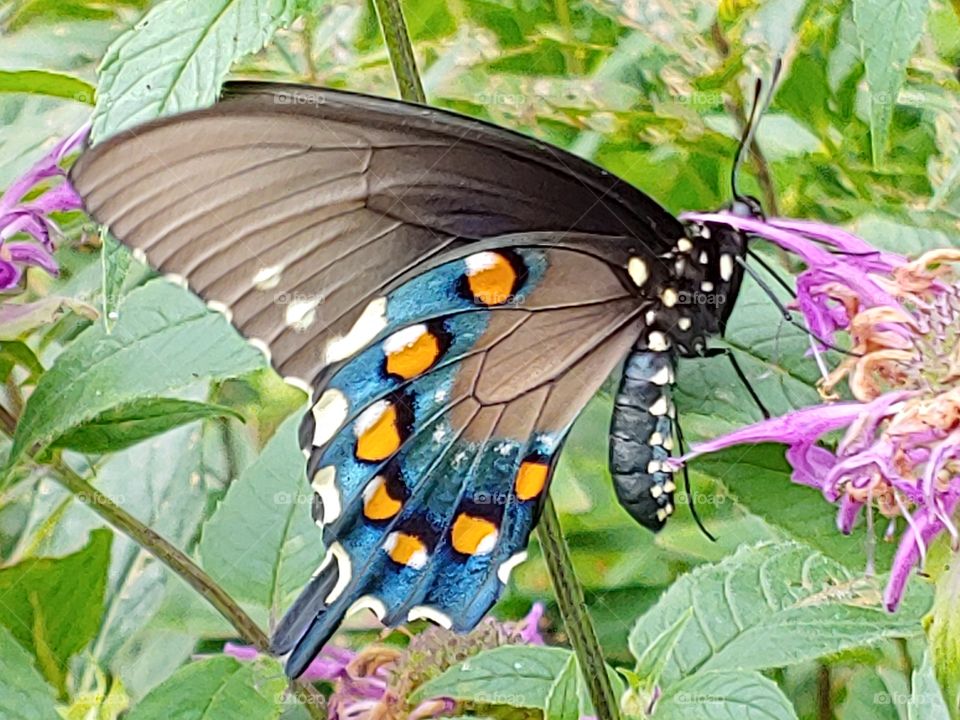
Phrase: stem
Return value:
(583, 637)
(175, 559)
(573, 609)
(402, 59)
(824, 693)
(165, 552)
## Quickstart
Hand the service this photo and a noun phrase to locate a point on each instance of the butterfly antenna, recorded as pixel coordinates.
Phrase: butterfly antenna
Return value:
(757, 109)
(687, 487)
(771, 272)
(787, 315)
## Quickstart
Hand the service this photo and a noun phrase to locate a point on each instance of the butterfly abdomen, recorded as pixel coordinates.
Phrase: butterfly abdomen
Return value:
(641, 437)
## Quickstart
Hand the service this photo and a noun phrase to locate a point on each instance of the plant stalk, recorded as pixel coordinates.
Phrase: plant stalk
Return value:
(402, 60)
(573, 609)
(180, 563)
(580, 630)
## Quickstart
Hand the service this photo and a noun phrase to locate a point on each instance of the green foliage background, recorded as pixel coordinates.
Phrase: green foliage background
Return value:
(169, 413)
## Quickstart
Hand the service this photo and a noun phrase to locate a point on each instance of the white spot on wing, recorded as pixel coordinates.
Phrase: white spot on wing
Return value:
(177, 280)
(402, 339)
(328, 415)
(726, 267)
(299, 384)
(684, 323)
(425, 612)
(368, 418)
(371, 322)
(219, 307)
(638, 271)
(416, 561)
(487, 545)
(336, 553)
(669, 297)
(481, 261)
(684, 245)
(325, 485)
(139, 255)
(301, 313)
(368, 602)
(262, 347)
(267, 278)
(371, 489)
(507, 566)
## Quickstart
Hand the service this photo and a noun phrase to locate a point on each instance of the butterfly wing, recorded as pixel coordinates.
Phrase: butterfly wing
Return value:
(431, 449)
(290, 208)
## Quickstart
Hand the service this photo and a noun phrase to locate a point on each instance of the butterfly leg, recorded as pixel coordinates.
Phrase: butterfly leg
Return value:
(641, 437)
(741, 375)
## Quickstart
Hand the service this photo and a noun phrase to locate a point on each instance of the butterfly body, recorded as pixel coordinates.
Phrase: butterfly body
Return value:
(450, 293)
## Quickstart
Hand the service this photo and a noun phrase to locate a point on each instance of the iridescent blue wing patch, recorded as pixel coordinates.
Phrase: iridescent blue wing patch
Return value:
(433, 433)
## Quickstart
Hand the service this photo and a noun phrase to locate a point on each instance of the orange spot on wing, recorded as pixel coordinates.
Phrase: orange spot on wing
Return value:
(380, 440)
(495, 283)
(531, 479)
(415, 358)
(408, 550)
(473, 535)
(380, 506)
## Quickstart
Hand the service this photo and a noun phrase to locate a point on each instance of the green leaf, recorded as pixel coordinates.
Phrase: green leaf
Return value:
(563, 698)
(41, 82)
(176, 57)
(53, 606)
(654, 659)
(13, 354)
(115, 262)
(770, 606)
(724, 695)
(261, 544)
(926, 699)
(165, 340)
(888, 31)
(532, 672)
(219, 688)
(127, 425)
(758, 478)
(24, 695)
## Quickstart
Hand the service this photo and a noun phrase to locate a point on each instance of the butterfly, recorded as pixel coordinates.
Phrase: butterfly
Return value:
(450, 294)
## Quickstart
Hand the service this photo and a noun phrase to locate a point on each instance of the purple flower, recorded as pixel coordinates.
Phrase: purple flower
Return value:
(900, 450)
(18, 215)
(374, 683)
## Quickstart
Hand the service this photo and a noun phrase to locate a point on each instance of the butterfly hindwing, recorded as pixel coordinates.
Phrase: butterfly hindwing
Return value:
(433, 446)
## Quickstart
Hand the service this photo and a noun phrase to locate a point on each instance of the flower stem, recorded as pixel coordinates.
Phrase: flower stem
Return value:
(182, 565)
(580, 630)
(573, 609)
(402, 59)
